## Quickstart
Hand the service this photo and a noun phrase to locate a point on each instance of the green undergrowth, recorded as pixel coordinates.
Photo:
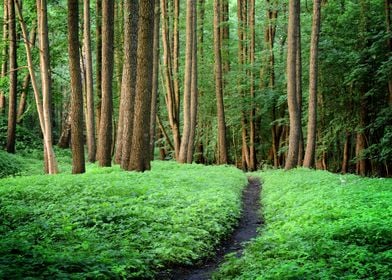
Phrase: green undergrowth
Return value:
(319, 225)
(10, 165)
(112, 224)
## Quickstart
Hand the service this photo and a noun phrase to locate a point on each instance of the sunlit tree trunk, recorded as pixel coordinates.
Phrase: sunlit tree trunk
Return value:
(222, 149)
(187, 82)
(78, 161)
(43, 106)
(90, 122)
(294, 114)
(194, 92)
(252, 117)
(105, 127)
(299, 87)
(310, 155)
(140, 156)
(13, 78)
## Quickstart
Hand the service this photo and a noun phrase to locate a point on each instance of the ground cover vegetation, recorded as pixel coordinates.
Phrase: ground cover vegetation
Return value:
(319, 225)
(113, 224)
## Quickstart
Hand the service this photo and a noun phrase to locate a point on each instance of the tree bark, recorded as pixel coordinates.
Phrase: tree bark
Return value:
(127, 109)
(155, 74)
(299, 87)
(140, 157)
(310, 154)
(187, 82)
(44, 117)
(194, 92)
(11, 128)
(105, 127)
(4, 63)
(295, 124)
(252, 117)
(346, 153)
(77, 143)
(90, 122)
(171, 103)
(98, 62)
(222, 149)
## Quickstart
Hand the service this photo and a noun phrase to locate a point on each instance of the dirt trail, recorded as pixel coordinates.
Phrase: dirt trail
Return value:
(246, 229)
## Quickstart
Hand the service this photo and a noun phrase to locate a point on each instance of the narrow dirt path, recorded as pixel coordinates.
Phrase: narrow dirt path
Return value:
(246, 230)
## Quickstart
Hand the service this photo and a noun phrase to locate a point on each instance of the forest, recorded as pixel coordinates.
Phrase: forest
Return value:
(284, 106)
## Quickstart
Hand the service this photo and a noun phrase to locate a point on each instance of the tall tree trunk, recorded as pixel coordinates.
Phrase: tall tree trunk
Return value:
(295, 123)
(127, 108)
(155, 73)
(299, 87)
(187, 82)
(44, 117)
(90, 122)
(194, 92)
(4, 63)
(11, 129)
(252, 117)
(98, 62)
(140, 157)
(171, 103)
(222, 149)
(176, 54)
(78, 162)
(310, 155)
(105, 127)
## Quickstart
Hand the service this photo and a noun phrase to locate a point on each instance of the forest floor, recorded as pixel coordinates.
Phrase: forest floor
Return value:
(246, 230)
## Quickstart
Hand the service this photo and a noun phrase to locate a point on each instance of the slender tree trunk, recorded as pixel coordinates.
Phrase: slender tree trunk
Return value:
(78, 162)
(44, 117)
(90, 122)
(176, 54)
(222, 148)
(4, 63)
(295, 123)
(171, 103)
(106, 126)
(65, 136)
(310, 154)
(187, 82)
(98, 61)
(127, 108)
(140, 157)
(299, 87)
(194, 91)
(11, 129)
(155, 73)
(252, 127)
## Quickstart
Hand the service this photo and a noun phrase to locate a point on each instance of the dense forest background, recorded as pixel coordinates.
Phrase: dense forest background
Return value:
(205, 81)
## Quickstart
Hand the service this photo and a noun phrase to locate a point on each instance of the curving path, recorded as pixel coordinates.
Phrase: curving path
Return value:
(246, 229)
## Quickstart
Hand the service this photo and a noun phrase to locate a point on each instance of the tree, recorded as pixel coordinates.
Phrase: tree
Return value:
(126, 114)
(105, 126)
(295, 122)
(4, 64)
(90, 123)
(78, 162)
(187, 81)
(155, 75)
(43, 106)
(222, 148)
(310, 153)
(11, 128)
(140, 157)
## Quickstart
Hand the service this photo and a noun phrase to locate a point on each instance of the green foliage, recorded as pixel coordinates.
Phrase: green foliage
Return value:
(9, 165)
(111, 224)
(319, 226)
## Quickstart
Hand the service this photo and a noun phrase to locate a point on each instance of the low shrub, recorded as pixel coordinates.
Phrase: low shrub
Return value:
(9, 165)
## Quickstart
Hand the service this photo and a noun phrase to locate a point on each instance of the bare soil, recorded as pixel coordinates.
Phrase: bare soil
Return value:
(246, 229)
